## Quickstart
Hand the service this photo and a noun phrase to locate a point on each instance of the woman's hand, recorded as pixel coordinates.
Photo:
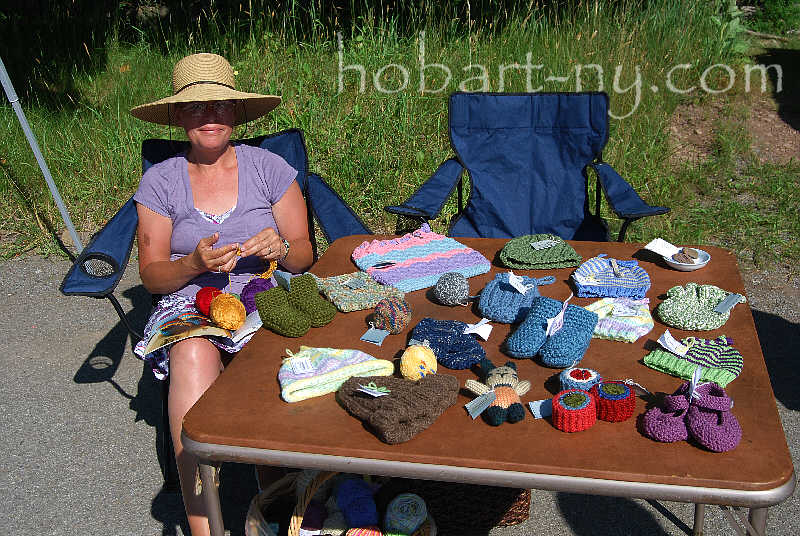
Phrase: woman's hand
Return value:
(267, 244)
(207, 258)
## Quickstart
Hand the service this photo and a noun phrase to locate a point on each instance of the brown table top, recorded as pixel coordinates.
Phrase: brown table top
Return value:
(243, 408)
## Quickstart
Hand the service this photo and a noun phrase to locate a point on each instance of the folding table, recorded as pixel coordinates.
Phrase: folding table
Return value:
(242, 418)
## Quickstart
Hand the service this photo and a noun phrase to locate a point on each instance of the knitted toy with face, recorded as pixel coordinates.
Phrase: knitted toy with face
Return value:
(504, 382)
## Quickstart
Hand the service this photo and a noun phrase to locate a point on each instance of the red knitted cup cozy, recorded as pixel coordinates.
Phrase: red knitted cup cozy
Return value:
(616, 401)
(574, 410)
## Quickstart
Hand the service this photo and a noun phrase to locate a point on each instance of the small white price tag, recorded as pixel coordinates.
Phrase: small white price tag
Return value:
(727, 304)
(375, 336)
(301, 365)
(482, 329)
(479, 405)
(615, 267)
(637, 386)
(557, 322)
(672, 344)
(516, 281)
(662, 247)
(696, 375)
(541, 408)
(373, 390)
(544, 244)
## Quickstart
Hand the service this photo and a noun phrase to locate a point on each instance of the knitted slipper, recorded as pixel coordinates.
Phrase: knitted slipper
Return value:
(304, 295)
(668, 422)
(574, 410)
(531, 334)
(567, 346)
(710, 421)
(278, 314)
(501, 302)
(615, 401)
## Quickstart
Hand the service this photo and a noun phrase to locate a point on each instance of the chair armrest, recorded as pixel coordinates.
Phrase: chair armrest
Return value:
(335, 218)
(429, 199)
(622, 198)
(99, 267)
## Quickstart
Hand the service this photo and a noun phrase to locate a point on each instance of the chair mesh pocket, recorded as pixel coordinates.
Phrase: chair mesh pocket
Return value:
(98, 266)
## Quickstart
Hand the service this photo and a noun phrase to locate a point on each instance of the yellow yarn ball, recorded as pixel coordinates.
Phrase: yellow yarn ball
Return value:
(417, 361)
(227, 311)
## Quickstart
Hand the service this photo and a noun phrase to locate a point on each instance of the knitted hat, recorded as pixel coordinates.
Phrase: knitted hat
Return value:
(615, 401)
(317, 371)
(227, 311)
(409, 408)
(574, 410)
(561, 349)
(621, 319)
(538, 252)
(721, 362)
(692, 307)
(452, 348)
(405, 513)
(601, 276)
(355, 291)
(279, 315)
(578, 378)
(354, 499)
(417, 260)
(451, 289)
(392, 314)
(253, 287)
(417, 361)
(500, 302)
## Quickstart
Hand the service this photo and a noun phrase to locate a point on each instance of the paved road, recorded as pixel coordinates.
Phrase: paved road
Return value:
(80, 418)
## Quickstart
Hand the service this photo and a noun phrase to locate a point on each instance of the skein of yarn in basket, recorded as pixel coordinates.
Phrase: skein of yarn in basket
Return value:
(405, 514)
(392, 314)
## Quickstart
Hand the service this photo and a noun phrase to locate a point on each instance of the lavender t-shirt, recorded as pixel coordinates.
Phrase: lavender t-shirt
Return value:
(263, 179)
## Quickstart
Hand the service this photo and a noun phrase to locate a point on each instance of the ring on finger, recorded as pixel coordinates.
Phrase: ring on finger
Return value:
(269, 250)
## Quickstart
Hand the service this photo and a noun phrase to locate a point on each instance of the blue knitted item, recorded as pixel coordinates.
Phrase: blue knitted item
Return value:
(354, 499)
(578, 378)
(561, 349)
(595, 278)
(446, 339)
(500, 302)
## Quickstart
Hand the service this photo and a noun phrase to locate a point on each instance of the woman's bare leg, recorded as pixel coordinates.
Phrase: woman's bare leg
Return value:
(194, 364)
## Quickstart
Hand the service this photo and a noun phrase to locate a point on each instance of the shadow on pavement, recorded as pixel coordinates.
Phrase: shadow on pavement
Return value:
(779, 341)
(595, 514)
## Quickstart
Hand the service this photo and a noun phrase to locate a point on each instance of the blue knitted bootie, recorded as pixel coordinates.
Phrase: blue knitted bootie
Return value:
(567, 346)
(530, 335)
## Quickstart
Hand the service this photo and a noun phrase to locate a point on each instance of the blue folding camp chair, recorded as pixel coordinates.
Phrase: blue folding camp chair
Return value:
(527, 157)
(99, 267)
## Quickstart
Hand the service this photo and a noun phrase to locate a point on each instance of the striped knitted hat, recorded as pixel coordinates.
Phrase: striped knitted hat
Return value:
(692, 307)
(721, 362)
(417, 260)
(355, 292)
(602, 276)
(500, 302)
(538, 252)
(621, 319)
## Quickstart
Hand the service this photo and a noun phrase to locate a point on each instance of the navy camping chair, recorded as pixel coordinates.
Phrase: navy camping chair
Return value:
(100, 266)
(527, 157)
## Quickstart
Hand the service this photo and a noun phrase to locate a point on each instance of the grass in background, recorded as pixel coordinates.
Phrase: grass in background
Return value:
(374, 148)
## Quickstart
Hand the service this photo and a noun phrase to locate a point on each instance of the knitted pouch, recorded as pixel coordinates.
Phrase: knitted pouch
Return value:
(721, 362)
(692, 307)
(317, 371)
(416, 260)
(599, 277)
(409, 408)
(452, 348)
(519, 253)
(621, 319)
(366, 295)
(501, 302)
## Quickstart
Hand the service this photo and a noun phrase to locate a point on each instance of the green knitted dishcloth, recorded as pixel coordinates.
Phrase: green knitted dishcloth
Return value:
(692, 307)
(518, 253)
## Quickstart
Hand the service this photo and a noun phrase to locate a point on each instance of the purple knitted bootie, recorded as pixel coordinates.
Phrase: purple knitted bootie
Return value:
(668, 422)
(710, 421)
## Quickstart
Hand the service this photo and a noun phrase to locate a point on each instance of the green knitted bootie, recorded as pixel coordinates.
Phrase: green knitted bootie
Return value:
(279, 315)
(304, 296)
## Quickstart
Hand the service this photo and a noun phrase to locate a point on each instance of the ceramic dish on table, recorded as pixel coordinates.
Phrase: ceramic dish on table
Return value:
(702, 259)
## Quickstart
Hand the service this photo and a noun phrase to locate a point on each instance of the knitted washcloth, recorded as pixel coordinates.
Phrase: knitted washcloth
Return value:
(452, 348)
(721, 362)
(501, 302)
(598, 278)
(409, 408)
(621, 319)
(416, 260)
(692, 307)
(317, 371)
(519, 253)
(366, 294)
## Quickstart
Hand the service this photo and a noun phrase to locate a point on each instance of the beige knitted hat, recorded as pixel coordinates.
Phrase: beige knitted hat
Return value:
(205, 77)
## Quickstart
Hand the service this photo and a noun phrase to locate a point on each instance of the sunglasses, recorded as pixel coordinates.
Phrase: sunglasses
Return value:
(197, 109)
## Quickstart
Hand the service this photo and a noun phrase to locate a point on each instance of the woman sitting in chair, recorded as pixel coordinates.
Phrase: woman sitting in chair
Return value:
(212, 216)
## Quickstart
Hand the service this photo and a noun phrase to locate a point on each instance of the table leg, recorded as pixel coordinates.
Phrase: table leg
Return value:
(758, 519)
(699, 519)
(211, 499)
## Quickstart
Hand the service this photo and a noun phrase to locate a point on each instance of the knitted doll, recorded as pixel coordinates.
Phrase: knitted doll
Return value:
(503, 381)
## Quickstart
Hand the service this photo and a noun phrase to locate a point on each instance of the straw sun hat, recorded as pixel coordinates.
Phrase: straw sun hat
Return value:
(205, 77)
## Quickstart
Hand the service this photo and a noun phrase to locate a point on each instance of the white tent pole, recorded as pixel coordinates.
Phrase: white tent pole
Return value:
(14, 100)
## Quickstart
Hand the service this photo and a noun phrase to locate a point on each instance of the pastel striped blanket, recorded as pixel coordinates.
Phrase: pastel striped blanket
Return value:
(417, 260)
